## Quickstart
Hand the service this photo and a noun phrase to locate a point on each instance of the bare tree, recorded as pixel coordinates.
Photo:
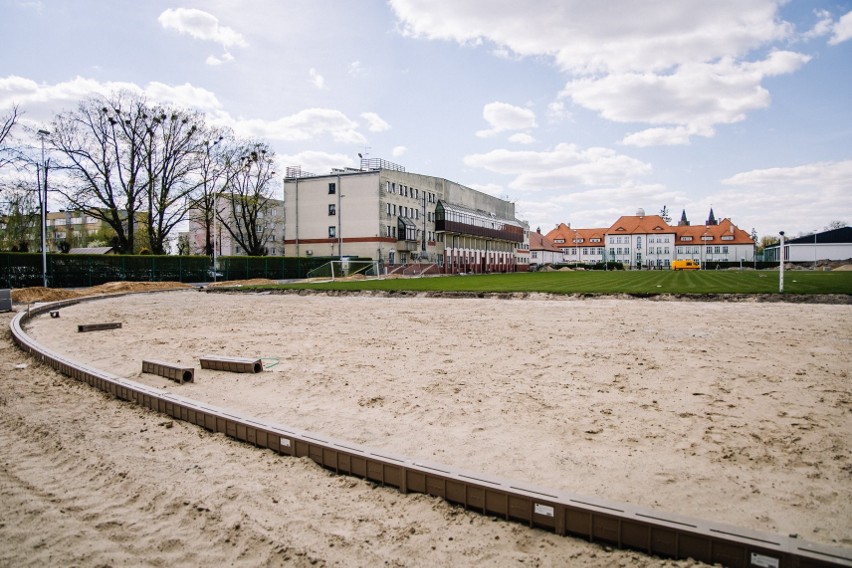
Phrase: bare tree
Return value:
(250, 189)
(21, 215)
(171, 157)
(215, 155)
(7, 123)
(101, 144)
(836, 225)
(130, 164)
(665, 215)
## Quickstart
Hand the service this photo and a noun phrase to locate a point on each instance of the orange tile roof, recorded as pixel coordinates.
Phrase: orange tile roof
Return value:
(576, 237)
(725, 228)
(541, 242)
(647, 224)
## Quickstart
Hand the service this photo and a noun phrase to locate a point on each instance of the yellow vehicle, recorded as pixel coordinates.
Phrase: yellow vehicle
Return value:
(685, 265)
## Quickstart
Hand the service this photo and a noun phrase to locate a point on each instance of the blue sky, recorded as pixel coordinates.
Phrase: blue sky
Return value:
(579, 111)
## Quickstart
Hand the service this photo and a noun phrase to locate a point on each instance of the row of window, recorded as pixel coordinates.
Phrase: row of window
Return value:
(626, 240)
(406, 191)
(710, 249)
(407, 212)
(586, 251)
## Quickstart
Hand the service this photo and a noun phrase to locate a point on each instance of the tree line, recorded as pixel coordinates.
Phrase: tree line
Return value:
(140, 168)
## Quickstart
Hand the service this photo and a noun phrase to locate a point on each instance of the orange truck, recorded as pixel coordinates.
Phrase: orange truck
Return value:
(685, 265)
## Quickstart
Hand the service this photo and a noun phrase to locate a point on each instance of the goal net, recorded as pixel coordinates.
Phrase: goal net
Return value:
(344, 268)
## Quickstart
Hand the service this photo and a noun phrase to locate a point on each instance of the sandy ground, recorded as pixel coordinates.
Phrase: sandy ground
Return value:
(734, 412)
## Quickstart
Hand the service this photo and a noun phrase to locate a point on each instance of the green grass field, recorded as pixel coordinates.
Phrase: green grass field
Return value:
(617, 282)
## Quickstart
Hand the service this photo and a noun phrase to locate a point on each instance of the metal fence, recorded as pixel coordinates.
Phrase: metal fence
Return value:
(21, 270)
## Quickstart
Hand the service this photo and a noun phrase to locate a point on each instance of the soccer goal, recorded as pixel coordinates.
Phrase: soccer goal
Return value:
(345, 268)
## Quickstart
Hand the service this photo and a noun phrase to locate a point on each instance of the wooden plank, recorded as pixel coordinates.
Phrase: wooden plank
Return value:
(97, 326)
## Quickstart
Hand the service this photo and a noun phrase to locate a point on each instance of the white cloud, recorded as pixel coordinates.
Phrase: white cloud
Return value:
(26, 92)
(42, 101)
(615, 36)
(356, 69)
(317, 162)
(686, 66)
(564, 168)
(200, 25)
(694, 98)
(214, 61)
(307, 124)
(823, 27)
(795, 199)
(317, 80)
(375, 123)
(399, 151)
(842, 30)
(556, 111)
(503, 117)
(521, 138)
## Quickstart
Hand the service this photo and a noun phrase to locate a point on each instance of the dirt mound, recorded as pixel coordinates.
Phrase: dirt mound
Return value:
(41, 294)
(843, 268)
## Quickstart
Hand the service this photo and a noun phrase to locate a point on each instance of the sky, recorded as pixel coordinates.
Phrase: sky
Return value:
(578, 111)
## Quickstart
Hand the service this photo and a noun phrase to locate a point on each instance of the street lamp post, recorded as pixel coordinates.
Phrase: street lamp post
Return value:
(43, 200)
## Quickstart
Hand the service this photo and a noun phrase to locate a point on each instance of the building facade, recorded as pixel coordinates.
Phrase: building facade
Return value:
(384, 213)
(649, 242)
(543, 251)
(835, 244)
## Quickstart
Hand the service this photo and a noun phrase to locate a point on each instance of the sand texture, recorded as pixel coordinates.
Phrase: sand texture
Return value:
(735, 412)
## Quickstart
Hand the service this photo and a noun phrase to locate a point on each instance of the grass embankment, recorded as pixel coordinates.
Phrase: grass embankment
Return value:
(616, 282)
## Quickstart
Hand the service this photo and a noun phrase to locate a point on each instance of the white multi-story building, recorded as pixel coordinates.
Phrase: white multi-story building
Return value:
(384, 213)
(647, 241)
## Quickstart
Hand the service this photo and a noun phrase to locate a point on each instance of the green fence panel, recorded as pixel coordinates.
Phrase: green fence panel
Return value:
(21, 270)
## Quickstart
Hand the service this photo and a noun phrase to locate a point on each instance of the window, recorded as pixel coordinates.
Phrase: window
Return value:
(332, 188)
(718, 250)
(558, 241)
(387, 186)
(389, 208)
(709, 250)
(724, 250)
(686, 238)
(332, 209)
(332, 232)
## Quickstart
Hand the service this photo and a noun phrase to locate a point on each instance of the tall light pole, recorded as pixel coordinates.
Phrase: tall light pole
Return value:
(781, 271)
(815, 248)
(43, 200)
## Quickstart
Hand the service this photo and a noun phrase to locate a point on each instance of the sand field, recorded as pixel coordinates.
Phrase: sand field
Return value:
(735, 412)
